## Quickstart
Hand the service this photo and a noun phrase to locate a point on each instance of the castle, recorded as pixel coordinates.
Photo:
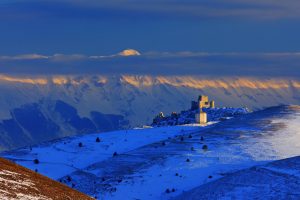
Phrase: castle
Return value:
(203, 102)
(196, 109)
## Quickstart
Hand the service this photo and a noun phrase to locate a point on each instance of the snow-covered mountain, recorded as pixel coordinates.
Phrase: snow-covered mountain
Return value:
(165, 162)
(34, 109)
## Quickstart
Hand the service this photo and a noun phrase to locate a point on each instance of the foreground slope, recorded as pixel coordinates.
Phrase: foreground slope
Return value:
(275, 180)
(17, 182)
(162, 163)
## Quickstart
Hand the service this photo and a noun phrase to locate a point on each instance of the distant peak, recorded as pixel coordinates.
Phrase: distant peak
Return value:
(129, 52)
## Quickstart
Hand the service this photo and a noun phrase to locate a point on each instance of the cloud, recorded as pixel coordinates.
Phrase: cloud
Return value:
(253, 9)
(267, 9)
(67, 58)
(204, 8)
(158, 63)
(70, 58)
(24, 57)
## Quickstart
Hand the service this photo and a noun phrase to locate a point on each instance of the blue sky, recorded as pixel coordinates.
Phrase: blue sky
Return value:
(96, 27)
(105, 27)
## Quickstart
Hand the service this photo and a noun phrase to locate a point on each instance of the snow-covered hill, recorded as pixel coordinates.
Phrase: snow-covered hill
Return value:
(161, 163)
(276, 180)
(34, 109)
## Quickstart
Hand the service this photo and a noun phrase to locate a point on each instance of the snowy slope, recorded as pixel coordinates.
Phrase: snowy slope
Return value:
(66, 154)
(104, 103)
(161, 163)
(276, 180)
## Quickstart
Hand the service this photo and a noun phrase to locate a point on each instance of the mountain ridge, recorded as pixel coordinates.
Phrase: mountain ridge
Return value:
(125, 101)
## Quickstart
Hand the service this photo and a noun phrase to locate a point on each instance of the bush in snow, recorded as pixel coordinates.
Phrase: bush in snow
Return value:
(80, 144)
(36, 161)
(97, 139)
(204, 147)
(115, 154)
(69, 178)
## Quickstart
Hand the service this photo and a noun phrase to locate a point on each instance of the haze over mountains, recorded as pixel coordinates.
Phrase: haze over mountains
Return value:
(65, 105)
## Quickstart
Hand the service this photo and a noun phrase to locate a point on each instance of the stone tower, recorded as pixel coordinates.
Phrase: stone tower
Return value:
(201, 117)
(212, 104)
(203, 101)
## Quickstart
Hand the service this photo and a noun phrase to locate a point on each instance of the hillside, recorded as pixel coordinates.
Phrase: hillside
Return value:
(276, 180)
(17, 182)
(164, 162)
(41, 108)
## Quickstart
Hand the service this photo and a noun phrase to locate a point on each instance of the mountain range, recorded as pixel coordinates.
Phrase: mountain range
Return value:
(35, 109)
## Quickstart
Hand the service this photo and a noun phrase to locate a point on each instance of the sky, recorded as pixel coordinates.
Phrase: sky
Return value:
(173, 36)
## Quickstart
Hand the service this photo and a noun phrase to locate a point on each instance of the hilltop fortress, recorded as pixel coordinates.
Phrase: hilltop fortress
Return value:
(203, 102)
(201, 112)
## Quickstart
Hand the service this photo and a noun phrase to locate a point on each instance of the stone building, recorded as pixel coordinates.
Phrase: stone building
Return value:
(201, 117)
(203, 102)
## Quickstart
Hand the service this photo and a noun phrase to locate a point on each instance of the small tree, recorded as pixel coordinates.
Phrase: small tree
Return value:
(80, 144)
(98, 139)
(36, 161)
(115, 154)
(204, 147)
